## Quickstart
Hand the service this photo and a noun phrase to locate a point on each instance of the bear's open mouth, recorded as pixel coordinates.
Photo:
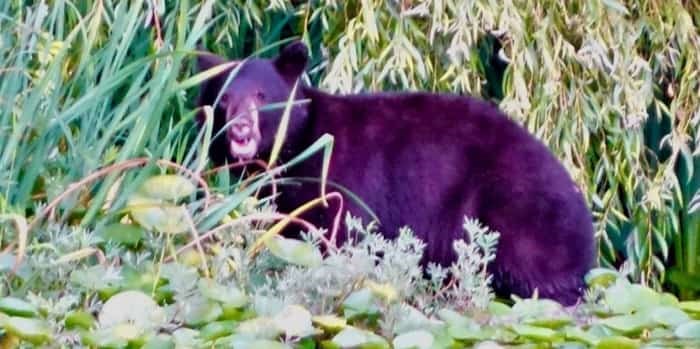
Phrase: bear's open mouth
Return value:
(244, 134)
(243, 149)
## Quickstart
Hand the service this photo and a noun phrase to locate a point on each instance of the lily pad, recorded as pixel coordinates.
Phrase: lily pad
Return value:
(160, 341)
(200, 311)
(629, 324)
(330, 323)
(385, 291)
(535, 333)
(217, 329)
(167, 187)
(601, 277)
(241, 342)
(498, 308)
(617, 342)
(294, 251)
(128, 332)
(260, 327)
(541, 313)
(469, 333)
(294, 321)
(79, 319)
(229, 295)
(669, 316)
(103, 338)
(578, 334)
(34, 331)
(124, 234)
(625, 298)
(688, 330)
(352, 337)
(133, 307)
(690, 306)
(153, 214)
(18, 307)
(419, 339)
(360, 303)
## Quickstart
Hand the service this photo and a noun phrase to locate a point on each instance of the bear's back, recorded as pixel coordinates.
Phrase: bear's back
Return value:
(427, 160)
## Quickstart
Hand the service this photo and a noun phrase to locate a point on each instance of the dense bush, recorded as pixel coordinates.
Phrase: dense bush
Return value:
(96, 97)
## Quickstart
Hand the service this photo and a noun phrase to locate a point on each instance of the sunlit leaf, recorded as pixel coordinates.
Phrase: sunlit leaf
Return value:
(132, 307)
(18, 307)
(294, 251)
(167, 187)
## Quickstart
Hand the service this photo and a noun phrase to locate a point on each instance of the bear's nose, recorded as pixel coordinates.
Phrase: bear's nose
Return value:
(240, 129)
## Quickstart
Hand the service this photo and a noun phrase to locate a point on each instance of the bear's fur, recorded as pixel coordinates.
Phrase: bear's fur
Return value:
(418, 159)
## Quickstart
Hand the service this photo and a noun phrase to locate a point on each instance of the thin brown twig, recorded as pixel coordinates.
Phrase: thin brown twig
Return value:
(261, 163)
(279, 226)
(196, 238)
(254, 217)
(128, 164)
(156, 22)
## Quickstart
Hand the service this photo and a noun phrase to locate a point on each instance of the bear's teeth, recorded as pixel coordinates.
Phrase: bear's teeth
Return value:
(245, 149)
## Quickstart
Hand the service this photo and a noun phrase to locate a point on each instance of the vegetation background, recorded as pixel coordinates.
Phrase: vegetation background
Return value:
(613, 87)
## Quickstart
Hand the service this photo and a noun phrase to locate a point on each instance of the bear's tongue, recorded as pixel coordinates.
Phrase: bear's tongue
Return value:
(244, 149)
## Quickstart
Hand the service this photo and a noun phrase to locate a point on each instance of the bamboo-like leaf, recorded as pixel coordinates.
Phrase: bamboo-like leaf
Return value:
(281, 133)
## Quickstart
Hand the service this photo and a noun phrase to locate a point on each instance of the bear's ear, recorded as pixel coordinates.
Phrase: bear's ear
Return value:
(292, 60)
(209, 60)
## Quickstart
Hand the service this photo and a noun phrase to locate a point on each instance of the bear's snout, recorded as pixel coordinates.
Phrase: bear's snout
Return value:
(244, 133)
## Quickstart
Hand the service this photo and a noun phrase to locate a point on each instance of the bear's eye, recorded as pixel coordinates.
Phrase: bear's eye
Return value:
(223, 100)
(260, 95)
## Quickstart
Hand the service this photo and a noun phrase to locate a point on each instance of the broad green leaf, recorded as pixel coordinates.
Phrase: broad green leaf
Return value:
(360, 303)
(617, 342)
(160, 341)
(578, 334)
(155, 215)
(79, 319)
(231, 296)
(186, 338)
(689, 330)
(128, 332)
(32, 330)
(18, 307)
(167, 187)
(418, 339)
(104, 338)
(629, 324)
(625, 298)
(535, 333)
(294, 321)
(200, 311)
(540, 312)
(385, 291)
(217, 329)
(352, 337)
(468, 333)
(125, 234)
(498, 309)
(260, 327)
(252, 343)
(133, 307)
(690, 306)
(668, 316)
(294, 251)
(330, 323)
(602, 277)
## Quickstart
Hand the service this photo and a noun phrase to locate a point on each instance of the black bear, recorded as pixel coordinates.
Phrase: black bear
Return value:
(418, 159)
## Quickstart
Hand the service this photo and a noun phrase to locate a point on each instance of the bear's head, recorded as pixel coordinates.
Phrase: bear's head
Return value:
(251, 105)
